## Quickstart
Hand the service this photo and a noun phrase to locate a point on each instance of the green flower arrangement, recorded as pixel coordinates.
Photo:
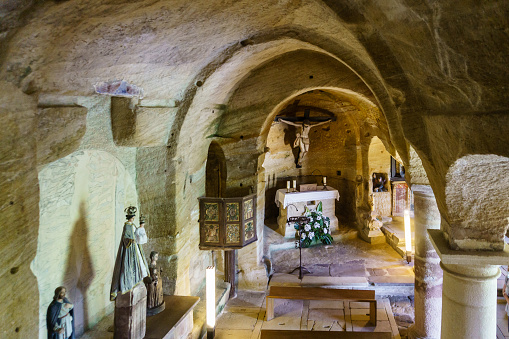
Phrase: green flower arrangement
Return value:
(318, 227)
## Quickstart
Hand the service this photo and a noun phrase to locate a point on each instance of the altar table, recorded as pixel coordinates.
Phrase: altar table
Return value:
(292, 205)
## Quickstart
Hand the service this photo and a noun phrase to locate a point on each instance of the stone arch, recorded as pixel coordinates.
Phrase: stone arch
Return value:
(204, 105)
(360, 101)
(477, 192)
(379, 162)
(201, 115)
(352, 189)
(217, 84)
(82, 201)
(378, 158)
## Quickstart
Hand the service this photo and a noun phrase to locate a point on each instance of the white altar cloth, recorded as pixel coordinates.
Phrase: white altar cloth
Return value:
(292, 197)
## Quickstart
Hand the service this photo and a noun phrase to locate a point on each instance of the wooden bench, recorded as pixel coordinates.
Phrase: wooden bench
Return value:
(319, 293)
(287, 334)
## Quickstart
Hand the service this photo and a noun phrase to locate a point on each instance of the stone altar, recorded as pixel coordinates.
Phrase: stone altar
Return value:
(291, 204)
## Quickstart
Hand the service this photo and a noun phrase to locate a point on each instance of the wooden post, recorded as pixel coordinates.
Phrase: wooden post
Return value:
(230, 271)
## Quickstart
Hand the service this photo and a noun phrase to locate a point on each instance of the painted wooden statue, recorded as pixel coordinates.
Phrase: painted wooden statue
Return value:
(154, 284)
(130, 265)
(60, 316)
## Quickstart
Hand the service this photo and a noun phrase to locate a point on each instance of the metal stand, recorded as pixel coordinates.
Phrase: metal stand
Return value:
(325, 188)
(300, 221)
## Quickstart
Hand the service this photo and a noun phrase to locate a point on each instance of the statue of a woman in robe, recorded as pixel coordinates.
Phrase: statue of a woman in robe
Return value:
(130, 265)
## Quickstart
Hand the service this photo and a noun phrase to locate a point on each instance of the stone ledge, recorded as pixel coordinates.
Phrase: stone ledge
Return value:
(394, 280)
(479, 258)
(393, 240)
(157, 103)
(55, 100)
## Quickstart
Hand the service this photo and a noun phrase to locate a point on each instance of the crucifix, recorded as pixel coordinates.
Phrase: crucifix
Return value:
(305, 124)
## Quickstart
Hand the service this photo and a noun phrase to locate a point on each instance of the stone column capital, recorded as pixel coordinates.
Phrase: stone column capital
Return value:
(449, 256)
(424, 190)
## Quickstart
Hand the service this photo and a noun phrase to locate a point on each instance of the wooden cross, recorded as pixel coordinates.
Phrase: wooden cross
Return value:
(290, 113)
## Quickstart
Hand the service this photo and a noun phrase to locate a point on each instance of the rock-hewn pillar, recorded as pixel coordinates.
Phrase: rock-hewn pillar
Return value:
(469, 291)
(469, 307)
(428, 274)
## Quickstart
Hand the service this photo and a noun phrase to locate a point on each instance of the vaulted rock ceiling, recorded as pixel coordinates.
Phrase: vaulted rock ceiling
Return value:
(430, 78)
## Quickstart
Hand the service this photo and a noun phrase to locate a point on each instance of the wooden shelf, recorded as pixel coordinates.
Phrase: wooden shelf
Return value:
(162, 325)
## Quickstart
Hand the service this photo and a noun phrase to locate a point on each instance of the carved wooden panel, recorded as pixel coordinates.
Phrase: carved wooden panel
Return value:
(400, 199)
(227, 223)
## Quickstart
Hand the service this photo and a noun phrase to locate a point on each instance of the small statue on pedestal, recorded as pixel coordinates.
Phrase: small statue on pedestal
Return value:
(130, 265)
(154, 284)
(379, 183)
(60, 316)
(127, 288)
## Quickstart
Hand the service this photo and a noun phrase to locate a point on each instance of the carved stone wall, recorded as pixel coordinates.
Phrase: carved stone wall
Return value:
(422, 64)
(82, 203)
(382, 203)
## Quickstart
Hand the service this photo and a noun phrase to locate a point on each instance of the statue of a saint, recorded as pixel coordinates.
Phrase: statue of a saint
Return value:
(378, 183)
(154, 284)
(302, 139)
(130, 265)
(60, 316)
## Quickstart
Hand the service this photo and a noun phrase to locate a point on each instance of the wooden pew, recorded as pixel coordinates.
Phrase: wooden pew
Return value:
(319, 293)
(287, 334)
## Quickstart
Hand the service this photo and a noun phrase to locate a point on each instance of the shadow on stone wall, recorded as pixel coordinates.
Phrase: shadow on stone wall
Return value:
(79, 272)
(289, 139)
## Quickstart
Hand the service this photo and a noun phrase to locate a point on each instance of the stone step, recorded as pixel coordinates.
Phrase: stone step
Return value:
(395, 239)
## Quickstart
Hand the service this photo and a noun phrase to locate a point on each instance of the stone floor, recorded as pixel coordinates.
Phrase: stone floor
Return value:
(244, 317)
(348, 261)
(502, 331)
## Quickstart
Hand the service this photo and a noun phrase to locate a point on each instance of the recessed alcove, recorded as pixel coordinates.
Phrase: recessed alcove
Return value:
(141, 123)
(333, 153)
(82, 201)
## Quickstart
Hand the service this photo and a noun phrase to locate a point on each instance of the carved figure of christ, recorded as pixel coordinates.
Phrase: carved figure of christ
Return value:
(302, 139)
